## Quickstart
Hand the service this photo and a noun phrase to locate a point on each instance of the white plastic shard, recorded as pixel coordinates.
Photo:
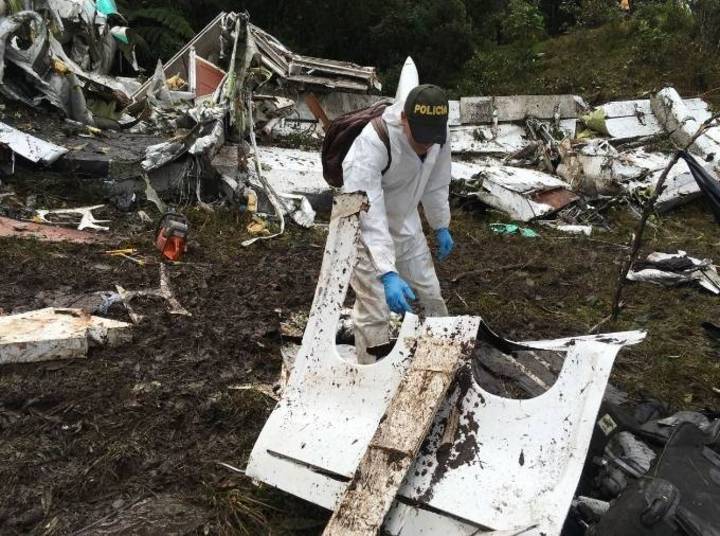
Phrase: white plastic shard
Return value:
(510, 467)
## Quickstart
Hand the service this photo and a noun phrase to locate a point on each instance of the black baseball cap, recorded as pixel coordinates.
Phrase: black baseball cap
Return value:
(426, 109)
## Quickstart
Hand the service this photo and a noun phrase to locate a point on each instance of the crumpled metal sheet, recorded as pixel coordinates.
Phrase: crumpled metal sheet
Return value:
(52, 74)
(524, 194)
(597, 168)
(683, 124)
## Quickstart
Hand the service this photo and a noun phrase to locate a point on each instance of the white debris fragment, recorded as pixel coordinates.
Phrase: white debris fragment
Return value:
(164, 292)
(476, 481)
(87, 220)
(671, 269)
(524, 194)
(49, 334)
(294, 171)
(34, 149)
(683, 124)
(571, 229)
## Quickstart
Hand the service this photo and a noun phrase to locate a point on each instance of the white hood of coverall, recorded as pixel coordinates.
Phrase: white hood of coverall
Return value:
(391, 229)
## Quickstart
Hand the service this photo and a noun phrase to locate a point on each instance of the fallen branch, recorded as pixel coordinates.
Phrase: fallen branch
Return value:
(648, 209)
(164, 292)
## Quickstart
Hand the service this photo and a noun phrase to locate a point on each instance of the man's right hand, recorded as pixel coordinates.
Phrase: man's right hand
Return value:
(397, 293)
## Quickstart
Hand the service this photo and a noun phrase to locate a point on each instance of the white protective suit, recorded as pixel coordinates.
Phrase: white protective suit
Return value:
(392, 238)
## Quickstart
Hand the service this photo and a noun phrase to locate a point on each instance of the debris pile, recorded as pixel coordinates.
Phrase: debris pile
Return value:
(468, 431)
(530, 157)
(186, 134)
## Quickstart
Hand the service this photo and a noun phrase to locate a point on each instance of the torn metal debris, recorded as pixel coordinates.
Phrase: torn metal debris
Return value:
(34, 149)
(187, 133)
(525, 194)
(672, 269)
(69, 216)
(200, 63)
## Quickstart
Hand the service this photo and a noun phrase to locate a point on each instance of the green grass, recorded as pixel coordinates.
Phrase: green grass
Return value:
(567, 288)
(607, 63)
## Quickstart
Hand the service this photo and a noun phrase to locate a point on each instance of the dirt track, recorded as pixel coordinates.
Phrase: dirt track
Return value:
(137, 433)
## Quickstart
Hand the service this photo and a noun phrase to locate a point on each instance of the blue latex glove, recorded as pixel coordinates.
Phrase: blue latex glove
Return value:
(397, 293)
(445, 243)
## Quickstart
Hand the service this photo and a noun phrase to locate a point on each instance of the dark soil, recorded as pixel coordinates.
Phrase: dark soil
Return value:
(86, 443)
(84, 439)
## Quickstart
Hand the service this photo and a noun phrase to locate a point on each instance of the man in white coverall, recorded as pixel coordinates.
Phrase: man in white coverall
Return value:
(395, 266)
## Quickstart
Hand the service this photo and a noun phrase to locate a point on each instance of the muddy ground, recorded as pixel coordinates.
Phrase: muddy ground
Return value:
(130, 440)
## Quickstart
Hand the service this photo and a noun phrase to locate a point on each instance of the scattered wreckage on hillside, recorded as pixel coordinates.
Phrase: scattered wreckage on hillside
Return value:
(427, 440)
(188, 133)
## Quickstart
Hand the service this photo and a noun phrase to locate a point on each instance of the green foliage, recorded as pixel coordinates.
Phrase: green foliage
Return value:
(436, 33)
(476, 46)
(592, 13)
(661, 28)
(162, 29)
(523, 21)
(497, 70)
(707, 16)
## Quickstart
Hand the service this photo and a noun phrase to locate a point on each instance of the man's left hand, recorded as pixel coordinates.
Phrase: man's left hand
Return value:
(445, 243)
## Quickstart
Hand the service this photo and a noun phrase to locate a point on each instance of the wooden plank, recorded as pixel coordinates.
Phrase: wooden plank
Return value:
(316, 108)
(399, 436)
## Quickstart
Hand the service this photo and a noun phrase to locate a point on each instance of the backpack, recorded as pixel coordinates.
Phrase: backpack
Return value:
(342, 133)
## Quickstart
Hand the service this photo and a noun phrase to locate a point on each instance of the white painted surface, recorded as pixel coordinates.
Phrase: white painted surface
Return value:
(683, 123)
(409, 79)
(293, 171)
(315, 437)
(507, 138)
(34, 149)
(49, 334)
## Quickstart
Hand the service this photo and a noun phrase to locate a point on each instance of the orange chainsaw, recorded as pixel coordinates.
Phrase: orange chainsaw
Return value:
(171, 236)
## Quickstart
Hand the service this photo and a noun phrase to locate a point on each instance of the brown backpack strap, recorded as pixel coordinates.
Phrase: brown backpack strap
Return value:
(382, 131)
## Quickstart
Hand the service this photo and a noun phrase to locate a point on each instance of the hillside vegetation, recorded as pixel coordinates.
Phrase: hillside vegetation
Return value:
(590, 47)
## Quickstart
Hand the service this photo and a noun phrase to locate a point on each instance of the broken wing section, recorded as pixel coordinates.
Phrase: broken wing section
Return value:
(507, 465)
(513, 465)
